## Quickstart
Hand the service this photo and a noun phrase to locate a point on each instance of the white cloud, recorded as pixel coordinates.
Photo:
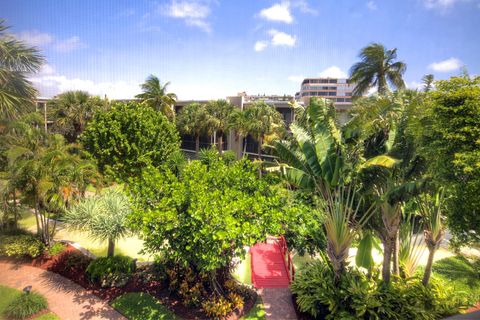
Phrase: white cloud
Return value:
(260, 45)
(333, 72)
(278, 12)
(446, 65)
(47, 69)
(441, 5)
(69, 44)
(415, 85)
(371, 5)
(50, 85)
(296, 78)
(35, 38)
(193, 12)
(281, 38)
(303, 6)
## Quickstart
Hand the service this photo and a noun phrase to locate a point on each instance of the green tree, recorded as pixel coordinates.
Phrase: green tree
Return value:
(239, 122)
(193, 120)
(264, 123)
(155, 95)
(129, 137)
(428, 81)
(205, 216)
(377, 68)
(449, 139)
(17, 61)
(72, 110)
(103, 216)
(219, 112)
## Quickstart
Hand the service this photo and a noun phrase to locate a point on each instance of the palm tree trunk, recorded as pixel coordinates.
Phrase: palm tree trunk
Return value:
(260, 142)
(197, 143)
(428, 268)
(396, 246)
(111, 247)
(220, 142)
(387, 259)
(244, 146)
(15, 213)
(37, 220)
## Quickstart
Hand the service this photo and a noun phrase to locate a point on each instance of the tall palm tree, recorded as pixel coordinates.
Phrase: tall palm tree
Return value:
(72, 110)
(156, 96)
(17, 60)
(263, 121)
(219, 112)
(193, 120)
(427, 81)
(103, 216)
(378, 68)
(239, 122)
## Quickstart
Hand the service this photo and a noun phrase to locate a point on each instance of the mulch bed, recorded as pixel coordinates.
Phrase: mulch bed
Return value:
(76, 272)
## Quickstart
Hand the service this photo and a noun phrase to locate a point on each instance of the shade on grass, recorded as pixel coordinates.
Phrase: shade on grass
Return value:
(7, 295)
(141, 306)
(257, 312)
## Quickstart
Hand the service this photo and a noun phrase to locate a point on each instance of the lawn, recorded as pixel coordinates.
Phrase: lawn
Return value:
(7, 295)
(257, 312)
(141, 306)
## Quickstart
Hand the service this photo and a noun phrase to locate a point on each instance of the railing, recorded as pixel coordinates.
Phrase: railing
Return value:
(282, 242)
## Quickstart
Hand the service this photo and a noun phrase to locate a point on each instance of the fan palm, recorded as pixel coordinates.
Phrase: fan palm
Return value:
(263, 121)
(103, 216)
(193, 120)
(219, 112)
(72, 110)
(377, 68)
(427, 81)
(155, 95)
(434, 230)
(239, 122)
(17, 60)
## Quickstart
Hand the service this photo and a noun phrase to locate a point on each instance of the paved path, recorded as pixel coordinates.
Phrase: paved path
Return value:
(278, 304)
(65, 298)
(268, 266)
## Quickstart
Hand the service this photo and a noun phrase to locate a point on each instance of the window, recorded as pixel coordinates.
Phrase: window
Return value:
(332, 93)
(332, 81)
(348, 100)
(340, 99)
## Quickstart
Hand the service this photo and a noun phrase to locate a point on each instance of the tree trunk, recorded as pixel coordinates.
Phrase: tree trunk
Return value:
(220, 142)
(15, 213)
(197, 143)
(387, 258)
(37, 220)
(260, 142)
(244, 146)
(396, 247)
(428, 268)
(111, 247)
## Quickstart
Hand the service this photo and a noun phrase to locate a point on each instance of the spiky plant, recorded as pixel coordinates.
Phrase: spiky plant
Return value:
(411, 247)
(156, 96)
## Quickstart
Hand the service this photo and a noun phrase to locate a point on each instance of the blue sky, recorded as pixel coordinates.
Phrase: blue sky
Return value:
(212, 49)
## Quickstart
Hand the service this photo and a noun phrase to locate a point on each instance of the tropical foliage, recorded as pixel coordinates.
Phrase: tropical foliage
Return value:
(155, 95)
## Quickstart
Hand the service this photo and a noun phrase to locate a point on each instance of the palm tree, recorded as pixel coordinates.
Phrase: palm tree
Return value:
(72, 110)
(377, 68)
(193, 119)
(219, 112)
(263, 121)
(239, 122)
(17, 60)
(434, 230)
(427, 81)
(155, 95)
(103, 216)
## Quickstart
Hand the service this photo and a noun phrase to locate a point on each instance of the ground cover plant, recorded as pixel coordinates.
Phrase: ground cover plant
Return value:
(141, 306)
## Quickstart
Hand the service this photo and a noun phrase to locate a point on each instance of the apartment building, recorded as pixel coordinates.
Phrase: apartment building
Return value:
(337, 90)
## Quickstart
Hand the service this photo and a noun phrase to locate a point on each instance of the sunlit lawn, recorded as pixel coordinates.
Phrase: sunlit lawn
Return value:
(142, 306)
(130, 246)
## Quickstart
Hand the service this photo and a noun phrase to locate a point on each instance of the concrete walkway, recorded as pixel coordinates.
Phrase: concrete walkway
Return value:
(278, 303)
(65, 298)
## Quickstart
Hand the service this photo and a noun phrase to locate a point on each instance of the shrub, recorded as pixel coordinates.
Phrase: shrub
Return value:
(111, 271)
(354, 296)
(236, 300)
(26, 305)
(75, 259)
(217, 307)
(56, 248)
(21, 245)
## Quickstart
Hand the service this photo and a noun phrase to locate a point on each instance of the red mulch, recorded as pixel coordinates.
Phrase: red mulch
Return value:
(76, 273)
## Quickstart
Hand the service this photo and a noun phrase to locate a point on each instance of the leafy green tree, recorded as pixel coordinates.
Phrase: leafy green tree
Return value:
(17, 61)
(155, 95)
(449, 138)
(102, 216)
(377, 68)
(193, 120)
(264, 123)
(72, 110)
(205, 216)
(219, 113)
(129, 137)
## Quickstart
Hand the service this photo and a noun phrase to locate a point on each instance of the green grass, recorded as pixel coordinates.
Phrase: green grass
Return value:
(141, 306)
(460, 273)
(257, 312)
(7, 295)
(243, 271)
